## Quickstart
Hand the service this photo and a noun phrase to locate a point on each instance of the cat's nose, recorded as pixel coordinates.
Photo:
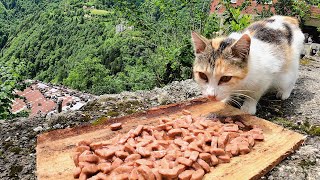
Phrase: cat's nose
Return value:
(212, 98)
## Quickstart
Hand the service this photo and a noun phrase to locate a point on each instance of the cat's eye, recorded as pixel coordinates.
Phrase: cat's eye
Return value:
(203, 76)
(225, 79)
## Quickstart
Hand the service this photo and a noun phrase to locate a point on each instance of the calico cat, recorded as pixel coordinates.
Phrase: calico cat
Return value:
(247, 64)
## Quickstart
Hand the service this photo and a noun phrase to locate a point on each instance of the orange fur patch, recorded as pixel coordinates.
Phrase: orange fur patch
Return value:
(216, 42)
(291, 20)
(224, 68)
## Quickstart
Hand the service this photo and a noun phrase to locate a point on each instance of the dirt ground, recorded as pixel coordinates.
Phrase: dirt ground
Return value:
(300, 112)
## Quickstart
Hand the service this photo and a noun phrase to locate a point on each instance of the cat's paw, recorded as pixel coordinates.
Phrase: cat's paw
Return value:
(249, 108)
(283, 95)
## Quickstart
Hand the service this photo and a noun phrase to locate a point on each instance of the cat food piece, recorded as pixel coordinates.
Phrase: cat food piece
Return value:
(164, 163)
(122, 154)
(134, 175)
(180, 142)
(214, 142)
(217, 151)
(83, 176)
(186, 175)
(143, 151)
(174, 132)
(258, 136)
(156, 174)
(105, 167)
(198, 174)
(205, 156)
(123, 169)
(243, 148)
(180, 168)
(91, 158)
(146, 172)
(172, 164)
(204, 165)
(132, 157)
(82, 148)
(206, 148)
(184, 161)
(214, 160)
(240, 124)
(119, 177)
(76, 172)
(196, 166)
(143, 143)
(169, 173)
(186, 112)
(194, 155)
(230, 128)
(116, 126)
(158, 154)
(222, 140)
(76, 158)
(83, 164)
(116, 163)
(224, 159)
(128, 148)
(99, 176)
(187, 154)
(144, 162)
(90, 169)
(138, 130)
(105, 153)
(193, 146)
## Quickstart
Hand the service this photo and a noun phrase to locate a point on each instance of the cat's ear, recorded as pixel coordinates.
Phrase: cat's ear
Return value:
(242, 47)
(199, 43)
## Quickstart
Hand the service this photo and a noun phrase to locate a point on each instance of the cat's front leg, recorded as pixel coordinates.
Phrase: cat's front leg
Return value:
(249, 106)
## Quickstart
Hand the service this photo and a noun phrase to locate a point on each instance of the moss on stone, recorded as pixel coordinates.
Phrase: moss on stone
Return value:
(7, 145)
(130, 111)
(305, 126)
(305, 61)
(100, 120)
(14, 170)
(113, 113)
(307, 163)
(15, 150)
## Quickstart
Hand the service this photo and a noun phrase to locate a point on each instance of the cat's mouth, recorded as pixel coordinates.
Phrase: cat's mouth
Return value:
(212, 98)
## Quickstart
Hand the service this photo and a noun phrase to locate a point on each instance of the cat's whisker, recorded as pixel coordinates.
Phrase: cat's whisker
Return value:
(244, 95)
(235, 101)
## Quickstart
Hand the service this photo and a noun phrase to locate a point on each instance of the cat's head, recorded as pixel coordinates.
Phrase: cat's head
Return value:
(220, 65)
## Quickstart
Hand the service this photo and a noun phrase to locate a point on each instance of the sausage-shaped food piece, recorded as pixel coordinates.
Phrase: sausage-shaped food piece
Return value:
(186, 175)
(116, 126)
(198, 174)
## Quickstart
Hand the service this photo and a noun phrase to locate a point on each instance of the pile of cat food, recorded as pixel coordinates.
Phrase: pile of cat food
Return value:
(181, 148)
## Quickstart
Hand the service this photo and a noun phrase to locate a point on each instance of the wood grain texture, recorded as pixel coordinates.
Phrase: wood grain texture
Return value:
(55, 149)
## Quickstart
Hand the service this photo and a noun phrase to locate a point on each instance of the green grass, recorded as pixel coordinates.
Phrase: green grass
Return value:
(99, 12)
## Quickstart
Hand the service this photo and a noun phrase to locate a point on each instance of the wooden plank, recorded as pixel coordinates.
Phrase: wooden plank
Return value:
(54, 149)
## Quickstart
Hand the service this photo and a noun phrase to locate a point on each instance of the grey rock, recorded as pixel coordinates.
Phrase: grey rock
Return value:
(37, 129)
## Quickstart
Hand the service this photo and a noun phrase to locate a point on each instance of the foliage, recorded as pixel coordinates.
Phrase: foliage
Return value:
(297, 8)
(8, 83)
(234, 20)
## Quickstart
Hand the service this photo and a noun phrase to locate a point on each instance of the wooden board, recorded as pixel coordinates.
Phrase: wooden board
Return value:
(55, 148)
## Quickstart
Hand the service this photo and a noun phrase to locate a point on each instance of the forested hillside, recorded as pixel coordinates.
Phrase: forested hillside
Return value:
(74, 42)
